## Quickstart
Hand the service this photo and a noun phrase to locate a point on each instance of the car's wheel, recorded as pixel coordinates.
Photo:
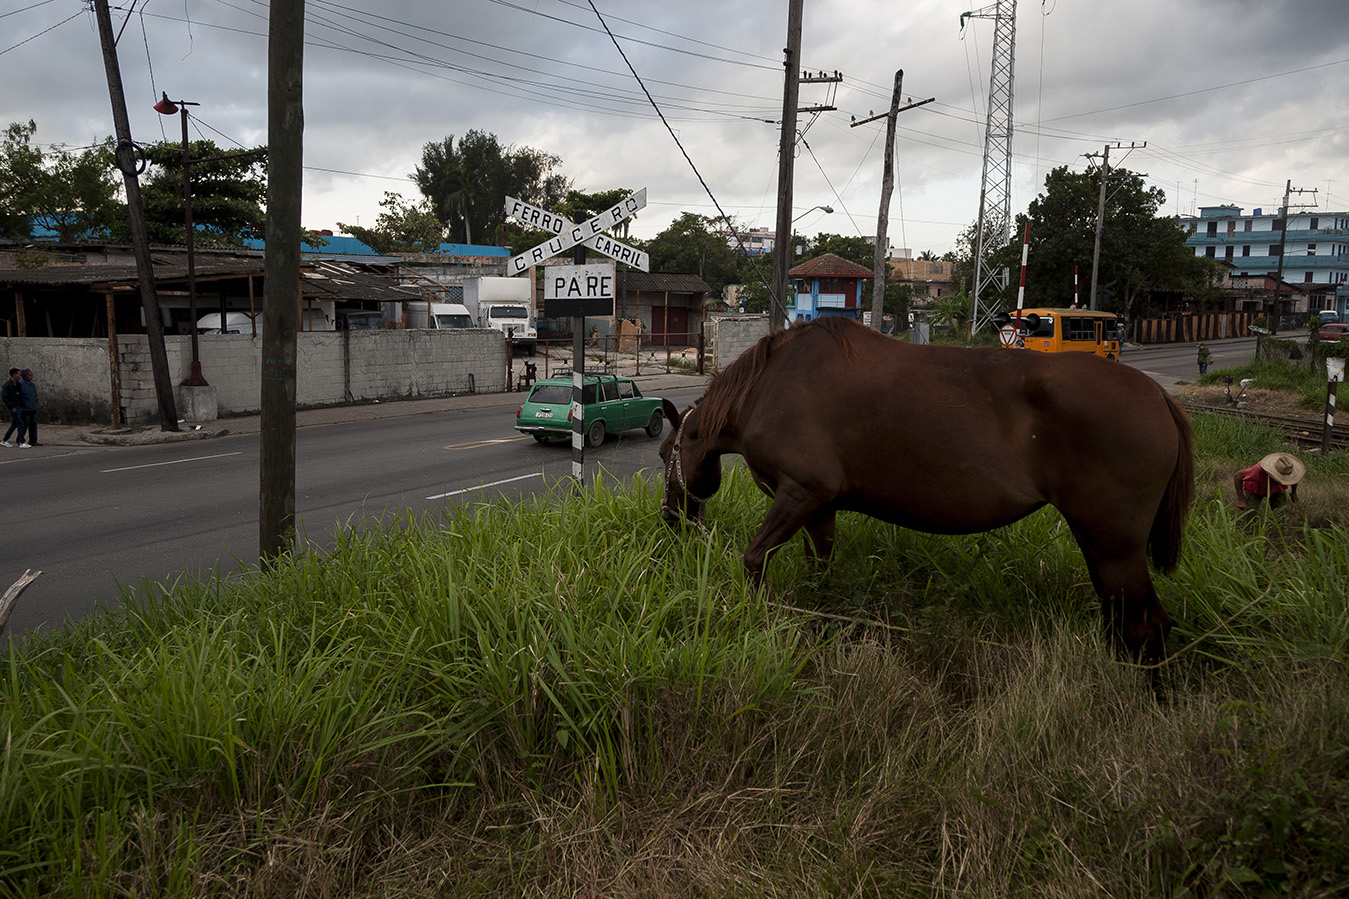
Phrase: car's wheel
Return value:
(656, 424)
(595, 436)
(1110, 356)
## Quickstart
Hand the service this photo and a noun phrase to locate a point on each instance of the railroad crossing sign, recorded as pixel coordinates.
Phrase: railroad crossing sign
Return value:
(569, 235)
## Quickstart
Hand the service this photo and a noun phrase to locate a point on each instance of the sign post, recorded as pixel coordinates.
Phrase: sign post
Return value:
(1334, 375)
(578, 290)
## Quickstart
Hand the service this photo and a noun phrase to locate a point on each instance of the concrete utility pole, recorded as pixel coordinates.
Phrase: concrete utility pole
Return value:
(887, 186)
(281, 297)
(1273, 318)
(140, 236)
(1100, 215)
(1100, 220)
(782, 243)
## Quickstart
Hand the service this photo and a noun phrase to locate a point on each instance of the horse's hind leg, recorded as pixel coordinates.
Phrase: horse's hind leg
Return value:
(819, 538)
(1129, 605)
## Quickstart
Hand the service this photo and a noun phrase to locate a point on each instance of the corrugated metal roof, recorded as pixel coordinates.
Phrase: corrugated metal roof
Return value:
(321, 279)
(830, 265)
(661, 282)
(110, 275)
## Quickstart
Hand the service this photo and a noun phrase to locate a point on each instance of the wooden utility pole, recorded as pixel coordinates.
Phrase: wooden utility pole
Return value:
(883, 219)
(140, 235)
(782, 240)
(887, 186)
(281, 294)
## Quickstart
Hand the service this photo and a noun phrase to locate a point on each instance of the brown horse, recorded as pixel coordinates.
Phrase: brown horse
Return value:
(831, 415)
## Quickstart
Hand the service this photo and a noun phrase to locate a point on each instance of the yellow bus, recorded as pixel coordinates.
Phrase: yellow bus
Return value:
(1061, 331)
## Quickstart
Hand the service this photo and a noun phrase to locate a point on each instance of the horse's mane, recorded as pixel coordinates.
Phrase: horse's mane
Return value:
(731, 385)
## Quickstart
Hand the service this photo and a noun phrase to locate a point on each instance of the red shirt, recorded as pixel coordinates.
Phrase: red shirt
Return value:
(1257, 482)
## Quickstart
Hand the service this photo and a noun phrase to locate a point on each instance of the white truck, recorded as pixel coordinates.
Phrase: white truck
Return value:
(504, 304)
(442, 316)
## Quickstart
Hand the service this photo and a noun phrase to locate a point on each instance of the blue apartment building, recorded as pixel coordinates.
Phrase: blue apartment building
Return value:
(1314, 248)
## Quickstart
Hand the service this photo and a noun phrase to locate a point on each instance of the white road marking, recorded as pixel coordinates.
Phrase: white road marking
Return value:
(523, 477)
(174, 462)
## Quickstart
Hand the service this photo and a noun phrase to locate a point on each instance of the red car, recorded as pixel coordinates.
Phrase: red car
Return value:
(1334, 332)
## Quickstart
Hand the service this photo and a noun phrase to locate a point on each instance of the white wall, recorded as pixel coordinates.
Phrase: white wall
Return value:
(332, 367)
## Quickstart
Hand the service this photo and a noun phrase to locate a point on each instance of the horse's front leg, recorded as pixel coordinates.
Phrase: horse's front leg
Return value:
(792, 507)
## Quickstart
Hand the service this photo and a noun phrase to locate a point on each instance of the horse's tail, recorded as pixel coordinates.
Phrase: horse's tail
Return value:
(1168, 527)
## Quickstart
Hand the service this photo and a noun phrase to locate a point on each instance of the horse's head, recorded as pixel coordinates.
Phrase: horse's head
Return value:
(692, 474)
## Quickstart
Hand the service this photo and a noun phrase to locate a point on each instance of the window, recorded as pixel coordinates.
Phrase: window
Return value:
(1227, 252)
(1212, 229)
(1311, 249)
(1248, 224)
(1314, 221)
(1080, 329)
(1246, 250)
(1307, 278)
(1275, 250)
(1210, 252)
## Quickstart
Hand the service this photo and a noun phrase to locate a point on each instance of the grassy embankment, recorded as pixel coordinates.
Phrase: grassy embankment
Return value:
(568, 699)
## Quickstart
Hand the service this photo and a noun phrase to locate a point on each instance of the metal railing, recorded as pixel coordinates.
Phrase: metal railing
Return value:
(648, 353)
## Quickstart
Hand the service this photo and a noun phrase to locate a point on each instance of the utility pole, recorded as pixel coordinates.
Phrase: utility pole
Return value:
(1100, 216)
(1273, 318)
(782, 243)
(883, 219)
(887, 186)
(281, 298)
(140, 236)
(1100, 221)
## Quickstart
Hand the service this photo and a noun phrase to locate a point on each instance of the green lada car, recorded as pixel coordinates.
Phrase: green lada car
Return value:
(612, 405)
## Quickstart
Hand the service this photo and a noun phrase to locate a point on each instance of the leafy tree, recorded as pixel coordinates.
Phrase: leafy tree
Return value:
(229, 193)
(853, 249)
(693, 245)
(466, 182)
(403, 227)
(927, 256)
(71, 193)
(1140, 251)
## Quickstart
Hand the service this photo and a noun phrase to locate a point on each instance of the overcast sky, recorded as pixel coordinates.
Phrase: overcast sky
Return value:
(1233, 97)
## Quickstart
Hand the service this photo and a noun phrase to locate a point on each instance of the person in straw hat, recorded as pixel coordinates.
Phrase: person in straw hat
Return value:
(1274, 477)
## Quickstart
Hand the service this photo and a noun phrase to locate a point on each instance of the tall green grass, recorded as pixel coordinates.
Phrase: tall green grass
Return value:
(563, 696)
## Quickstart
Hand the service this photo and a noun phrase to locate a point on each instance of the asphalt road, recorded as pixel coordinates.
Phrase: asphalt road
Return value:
(94, 518)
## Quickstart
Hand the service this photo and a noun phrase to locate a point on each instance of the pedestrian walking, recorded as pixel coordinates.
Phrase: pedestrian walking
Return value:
(13, 399)
(29, 392)
(1204, 357)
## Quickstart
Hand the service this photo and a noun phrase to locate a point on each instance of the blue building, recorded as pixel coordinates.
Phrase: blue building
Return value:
(1314, 247)
(828, 285)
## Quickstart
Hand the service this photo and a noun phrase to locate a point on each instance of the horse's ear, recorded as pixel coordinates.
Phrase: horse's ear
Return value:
(671, 412)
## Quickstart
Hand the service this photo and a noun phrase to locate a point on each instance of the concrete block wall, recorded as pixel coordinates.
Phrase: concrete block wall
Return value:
(332, 367)
(730, 336)
(71, 376)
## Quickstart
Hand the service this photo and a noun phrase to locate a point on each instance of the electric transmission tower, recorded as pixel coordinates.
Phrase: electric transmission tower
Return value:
(995, 189)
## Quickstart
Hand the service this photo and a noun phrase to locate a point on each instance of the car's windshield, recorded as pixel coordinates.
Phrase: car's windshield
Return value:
(551, 393)
(509, 312)
(453, 320)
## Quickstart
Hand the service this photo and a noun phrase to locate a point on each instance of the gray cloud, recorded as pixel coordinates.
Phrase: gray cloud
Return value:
(1232, 97)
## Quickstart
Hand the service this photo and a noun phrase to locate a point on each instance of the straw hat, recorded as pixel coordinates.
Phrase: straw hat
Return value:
(1285, 468)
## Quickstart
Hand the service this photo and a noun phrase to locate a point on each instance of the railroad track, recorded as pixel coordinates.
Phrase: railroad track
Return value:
(1302, 431)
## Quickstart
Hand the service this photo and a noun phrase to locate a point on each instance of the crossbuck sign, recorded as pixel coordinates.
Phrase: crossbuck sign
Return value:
(570, 235)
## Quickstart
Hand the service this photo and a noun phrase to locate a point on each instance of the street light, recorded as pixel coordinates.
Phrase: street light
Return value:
(168, 107)
(828, 210)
